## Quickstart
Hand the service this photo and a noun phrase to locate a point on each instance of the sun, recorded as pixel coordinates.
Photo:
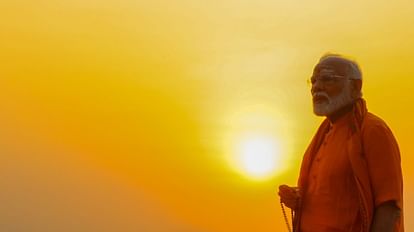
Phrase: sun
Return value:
(259, 156)
(257, 142)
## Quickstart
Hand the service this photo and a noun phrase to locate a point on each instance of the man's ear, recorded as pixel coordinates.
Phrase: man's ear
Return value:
(357, 86)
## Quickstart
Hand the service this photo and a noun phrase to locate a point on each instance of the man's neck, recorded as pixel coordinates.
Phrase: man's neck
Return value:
(341, 112)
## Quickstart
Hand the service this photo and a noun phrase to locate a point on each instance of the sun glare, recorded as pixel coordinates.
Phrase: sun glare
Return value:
(259, 157)
(253, 144)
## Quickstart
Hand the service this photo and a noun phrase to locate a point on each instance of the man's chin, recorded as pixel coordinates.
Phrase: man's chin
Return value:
(320, 110)
(321, 114)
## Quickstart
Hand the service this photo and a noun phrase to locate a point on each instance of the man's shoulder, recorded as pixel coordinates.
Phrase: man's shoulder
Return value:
(373, 124)
(373, 120)
(377, 137)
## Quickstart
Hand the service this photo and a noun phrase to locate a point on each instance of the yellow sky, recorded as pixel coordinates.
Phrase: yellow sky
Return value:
(123, 115)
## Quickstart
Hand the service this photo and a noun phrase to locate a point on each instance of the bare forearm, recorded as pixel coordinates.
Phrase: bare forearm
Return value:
(385, 217)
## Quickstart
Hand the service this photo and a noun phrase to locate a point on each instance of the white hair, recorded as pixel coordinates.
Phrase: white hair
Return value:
(354, 71)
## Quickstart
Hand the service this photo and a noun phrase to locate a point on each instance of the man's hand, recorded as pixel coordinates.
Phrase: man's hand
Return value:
(385, 217)
(289, 196)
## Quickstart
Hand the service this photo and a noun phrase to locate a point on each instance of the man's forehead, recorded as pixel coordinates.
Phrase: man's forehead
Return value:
(332, 64)
(323, 69)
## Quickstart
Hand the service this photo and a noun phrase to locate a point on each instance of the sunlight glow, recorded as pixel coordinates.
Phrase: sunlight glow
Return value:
(253, 143)
(260, 156)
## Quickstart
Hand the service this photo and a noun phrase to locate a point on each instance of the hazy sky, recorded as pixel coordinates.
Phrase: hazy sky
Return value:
(127, 115)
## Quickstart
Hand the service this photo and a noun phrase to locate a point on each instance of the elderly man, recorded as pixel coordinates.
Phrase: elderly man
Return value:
(350, 179)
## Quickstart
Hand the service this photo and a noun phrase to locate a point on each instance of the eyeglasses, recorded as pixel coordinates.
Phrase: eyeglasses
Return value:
(325, 79)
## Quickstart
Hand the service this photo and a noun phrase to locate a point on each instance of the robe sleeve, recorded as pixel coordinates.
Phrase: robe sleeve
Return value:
(384, 163)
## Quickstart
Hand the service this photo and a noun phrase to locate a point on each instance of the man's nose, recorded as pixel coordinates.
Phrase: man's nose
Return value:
(316, 87)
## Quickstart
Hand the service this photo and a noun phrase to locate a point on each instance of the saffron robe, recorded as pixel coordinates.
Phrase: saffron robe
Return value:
(374, 158)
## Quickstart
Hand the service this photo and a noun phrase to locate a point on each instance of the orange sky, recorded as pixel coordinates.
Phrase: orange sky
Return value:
(123, 115)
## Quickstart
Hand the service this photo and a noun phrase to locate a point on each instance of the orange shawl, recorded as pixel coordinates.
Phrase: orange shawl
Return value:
(357, 160)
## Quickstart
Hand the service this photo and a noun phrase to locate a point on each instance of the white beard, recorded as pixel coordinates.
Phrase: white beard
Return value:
(334, 103)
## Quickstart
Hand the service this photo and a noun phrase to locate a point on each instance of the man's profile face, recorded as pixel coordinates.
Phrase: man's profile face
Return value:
(331, 88)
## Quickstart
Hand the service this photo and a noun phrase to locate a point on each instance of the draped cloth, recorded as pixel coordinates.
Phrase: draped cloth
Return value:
(375, 161)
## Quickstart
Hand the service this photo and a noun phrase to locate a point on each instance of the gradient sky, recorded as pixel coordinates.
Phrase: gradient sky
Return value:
(123, 115)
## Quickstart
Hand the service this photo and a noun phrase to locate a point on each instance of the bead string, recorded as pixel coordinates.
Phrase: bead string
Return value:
(285, 217)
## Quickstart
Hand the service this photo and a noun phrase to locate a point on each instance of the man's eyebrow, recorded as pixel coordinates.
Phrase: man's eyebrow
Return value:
(327, 70)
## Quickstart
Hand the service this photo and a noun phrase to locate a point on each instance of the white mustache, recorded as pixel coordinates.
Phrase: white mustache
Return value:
(320, 94)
